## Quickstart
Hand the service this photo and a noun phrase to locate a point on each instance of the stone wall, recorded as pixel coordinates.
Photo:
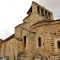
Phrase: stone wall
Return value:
(50, 34)
(24, 43)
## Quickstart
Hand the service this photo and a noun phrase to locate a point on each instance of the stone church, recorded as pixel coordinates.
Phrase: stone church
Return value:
(37, 38)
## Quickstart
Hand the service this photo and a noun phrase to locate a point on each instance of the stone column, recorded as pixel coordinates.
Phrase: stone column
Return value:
(34, 7)
(44, 12)
(51, 16)
(30, 53)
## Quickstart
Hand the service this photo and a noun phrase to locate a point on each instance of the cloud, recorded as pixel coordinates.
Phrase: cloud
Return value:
(12, 12)
(57, 15)
(5, 34)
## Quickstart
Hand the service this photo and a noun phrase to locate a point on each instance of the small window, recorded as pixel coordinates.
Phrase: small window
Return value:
(38, 9)
(45, 13)
(42, 12)
(58, 44)
(39, 41)
(49, 15)
(24, 40)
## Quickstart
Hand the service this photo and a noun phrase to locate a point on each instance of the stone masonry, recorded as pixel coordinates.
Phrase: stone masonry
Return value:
(37, 38)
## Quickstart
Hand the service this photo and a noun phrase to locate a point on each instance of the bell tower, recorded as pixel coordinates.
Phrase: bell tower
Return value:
(36, 8)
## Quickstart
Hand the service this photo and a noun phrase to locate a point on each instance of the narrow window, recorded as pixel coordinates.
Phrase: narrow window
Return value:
(39, 41)
(24, 40)
(42, 12)
(38, 8)
(58, 44)
(49, 15)
(46, 14)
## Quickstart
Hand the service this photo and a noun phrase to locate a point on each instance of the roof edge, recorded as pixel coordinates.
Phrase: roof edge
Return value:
(10, 37)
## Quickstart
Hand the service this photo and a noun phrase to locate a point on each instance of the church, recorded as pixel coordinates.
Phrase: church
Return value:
(37, 38)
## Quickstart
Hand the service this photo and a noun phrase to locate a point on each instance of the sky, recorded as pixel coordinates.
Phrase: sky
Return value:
(12, 13)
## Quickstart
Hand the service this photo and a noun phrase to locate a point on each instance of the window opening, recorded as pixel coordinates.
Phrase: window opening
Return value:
(58, 44)
(39, 41)
(38, 9)
(24, 40)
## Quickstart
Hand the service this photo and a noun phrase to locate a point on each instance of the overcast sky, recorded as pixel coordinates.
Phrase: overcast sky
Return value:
(12, 12)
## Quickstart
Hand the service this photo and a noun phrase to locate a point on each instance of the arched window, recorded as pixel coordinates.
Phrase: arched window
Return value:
(39, 41)
(24, 40)
(58, 44)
